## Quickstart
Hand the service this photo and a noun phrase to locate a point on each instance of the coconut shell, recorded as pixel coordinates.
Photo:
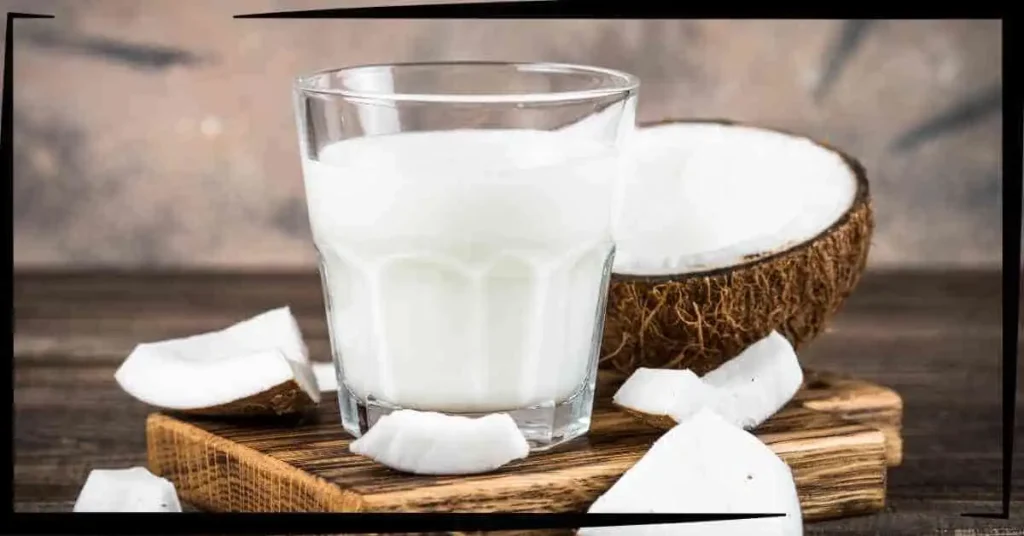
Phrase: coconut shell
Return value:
(701, 320)
(661, 422)
(283, 399)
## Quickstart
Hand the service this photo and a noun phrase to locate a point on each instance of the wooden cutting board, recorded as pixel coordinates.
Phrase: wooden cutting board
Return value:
(838, 436)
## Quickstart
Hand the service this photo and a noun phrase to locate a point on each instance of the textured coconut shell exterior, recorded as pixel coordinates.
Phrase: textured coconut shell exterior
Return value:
(283, 399)
(701, 320)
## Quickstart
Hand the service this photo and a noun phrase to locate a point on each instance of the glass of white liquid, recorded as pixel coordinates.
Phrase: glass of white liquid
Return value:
(462, 215)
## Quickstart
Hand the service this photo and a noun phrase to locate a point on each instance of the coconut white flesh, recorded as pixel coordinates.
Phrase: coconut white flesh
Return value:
(127, 490)
(220, 367)
(701, 196)
(430, 443)
(754, 385)
(705, 465)
(326, 377)
(745, 391)
(671, 392)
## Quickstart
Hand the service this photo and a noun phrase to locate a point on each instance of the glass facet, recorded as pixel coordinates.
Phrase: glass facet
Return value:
(462, 216)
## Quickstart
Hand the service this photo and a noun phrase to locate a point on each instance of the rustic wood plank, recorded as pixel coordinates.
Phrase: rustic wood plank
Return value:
(80, 313)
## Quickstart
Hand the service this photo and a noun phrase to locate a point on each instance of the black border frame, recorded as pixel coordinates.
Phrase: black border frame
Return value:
(196, 523)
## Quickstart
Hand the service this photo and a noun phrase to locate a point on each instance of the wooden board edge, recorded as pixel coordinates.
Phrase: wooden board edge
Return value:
(209, 471)
(893, 437)
(576, 489)
(848, 477)
(859, 401)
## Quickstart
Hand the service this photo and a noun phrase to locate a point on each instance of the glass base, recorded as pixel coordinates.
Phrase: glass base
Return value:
(544, 426)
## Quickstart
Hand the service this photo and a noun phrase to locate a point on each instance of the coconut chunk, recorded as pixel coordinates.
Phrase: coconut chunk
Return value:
(705, 465)
(429, 443)
(127, 490)
(663, 397)
(755, 385)
(277, 328)
(745, 391)
(259, 365)
(326, 378)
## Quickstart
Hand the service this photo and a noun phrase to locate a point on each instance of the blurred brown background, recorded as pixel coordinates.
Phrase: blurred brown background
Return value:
(160, 134)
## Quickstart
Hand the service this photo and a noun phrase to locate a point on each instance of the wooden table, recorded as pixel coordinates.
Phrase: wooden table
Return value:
(933, 337)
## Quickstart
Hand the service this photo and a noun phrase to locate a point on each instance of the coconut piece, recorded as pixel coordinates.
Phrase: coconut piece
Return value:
(705, 465)
(257, 366)
(755, 385)
(127, 490)
(326, 377)
(429, 443)
(726, 232)
(663, 397)
(745, 391)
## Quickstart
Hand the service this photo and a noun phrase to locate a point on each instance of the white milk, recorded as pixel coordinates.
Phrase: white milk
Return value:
(463, 269)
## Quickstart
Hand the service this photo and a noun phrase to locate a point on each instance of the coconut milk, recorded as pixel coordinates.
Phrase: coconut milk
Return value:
(463, 270)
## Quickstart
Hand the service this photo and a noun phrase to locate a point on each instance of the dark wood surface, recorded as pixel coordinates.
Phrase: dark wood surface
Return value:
(933, 337)
(280, 465)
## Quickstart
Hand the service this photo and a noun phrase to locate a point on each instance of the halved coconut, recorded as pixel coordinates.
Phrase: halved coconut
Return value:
(257, 366)
(745, 391)
(725, 233)
(127, 490)
(429, 443)
(705, 465)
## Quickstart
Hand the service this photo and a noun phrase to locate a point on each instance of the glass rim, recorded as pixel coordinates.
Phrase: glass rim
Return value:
(623, 84)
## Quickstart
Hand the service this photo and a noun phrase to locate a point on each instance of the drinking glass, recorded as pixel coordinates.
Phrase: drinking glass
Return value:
(462, 215)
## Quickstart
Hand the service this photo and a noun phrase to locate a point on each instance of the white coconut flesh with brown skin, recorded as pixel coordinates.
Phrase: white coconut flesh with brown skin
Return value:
(127, 490)
(704, 196)
(673, 393)
(429, 443)
(705, 465)
(263, 354)
(745, 391)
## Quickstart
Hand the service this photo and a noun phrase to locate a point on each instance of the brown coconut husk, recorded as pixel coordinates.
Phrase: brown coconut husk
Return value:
(661, 422)
(701, 320)
(287, 398)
